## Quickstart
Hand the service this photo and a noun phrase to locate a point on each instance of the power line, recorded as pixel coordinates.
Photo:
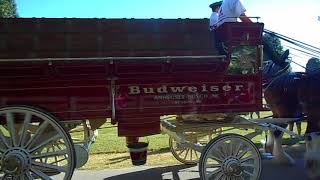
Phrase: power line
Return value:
(306, 53)
(307, 47)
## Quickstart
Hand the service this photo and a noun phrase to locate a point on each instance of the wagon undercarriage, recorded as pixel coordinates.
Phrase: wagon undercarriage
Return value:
(219, 152)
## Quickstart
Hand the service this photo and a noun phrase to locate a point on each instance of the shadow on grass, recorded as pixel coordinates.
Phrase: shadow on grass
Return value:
(127, 157)
(157, 173)
(286, 141)
(270, 170)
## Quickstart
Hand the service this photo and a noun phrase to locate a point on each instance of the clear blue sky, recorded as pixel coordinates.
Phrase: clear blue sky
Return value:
(294, 18)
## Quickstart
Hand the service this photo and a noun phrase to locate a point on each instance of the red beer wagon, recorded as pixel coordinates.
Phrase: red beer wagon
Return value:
(57, 75)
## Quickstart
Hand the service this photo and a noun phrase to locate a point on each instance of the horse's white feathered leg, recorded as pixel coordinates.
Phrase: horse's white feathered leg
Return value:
(279, 154)
(312, 155)
(270, 142)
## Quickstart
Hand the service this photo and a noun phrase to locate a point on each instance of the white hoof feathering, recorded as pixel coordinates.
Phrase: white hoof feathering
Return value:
(280, 155)
(312, 155)
(270, 142)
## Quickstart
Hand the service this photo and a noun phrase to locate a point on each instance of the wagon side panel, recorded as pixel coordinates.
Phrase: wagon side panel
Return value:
(70, 90)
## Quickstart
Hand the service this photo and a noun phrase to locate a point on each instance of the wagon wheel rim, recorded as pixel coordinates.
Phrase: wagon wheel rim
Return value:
(230, 157)
(184, 155)
(34, 145)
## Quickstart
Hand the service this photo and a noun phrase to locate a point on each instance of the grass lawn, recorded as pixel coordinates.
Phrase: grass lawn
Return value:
(110, 151)
(109, 142)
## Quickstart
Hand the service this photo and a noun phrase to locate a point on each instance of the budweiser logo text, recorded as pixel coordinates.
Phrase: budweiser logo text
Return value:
(164, 89)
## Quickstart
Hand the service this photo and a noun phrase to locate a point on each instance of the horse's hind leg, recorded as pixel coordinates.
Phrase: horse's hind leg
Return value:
(291, 125)
(299, 129)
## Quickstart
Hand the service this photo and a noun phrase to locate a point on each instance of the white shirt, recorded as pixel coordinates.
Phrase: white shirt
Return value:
(213, 19)
(230, 8)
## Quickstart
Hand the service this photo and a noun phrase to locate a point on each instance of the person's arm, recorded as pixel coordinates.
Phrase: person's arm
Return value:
(244, 18)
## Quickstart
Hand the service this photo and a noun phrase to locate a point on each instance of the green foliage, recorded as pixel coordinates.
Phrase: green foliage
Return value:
(272, 47)
(8, 9)
(243, 57)
(243, 60)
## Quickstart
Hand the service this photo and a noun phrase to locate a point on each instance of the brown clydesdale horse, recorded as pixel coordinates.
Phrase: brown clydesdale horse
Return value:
(289, 95)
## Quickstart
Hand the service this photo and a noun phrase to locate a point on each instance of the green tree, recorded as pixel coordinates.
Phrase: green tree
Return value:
(8, 9)
(272, 47)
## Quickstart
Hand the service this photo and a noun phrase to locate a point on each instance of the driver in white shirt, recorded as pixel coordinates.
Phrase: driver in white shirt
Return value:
(231, 10)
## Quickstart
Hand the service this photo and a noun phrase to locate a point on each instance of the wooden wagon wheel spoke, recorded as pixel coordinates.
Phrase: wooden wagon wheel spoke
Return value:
(215, 173)
(247, 165)
(213, 165)
(243, 152)
(49, 166)
(59, 147)
(40, 174)
(196, 153)
(211, 156)
(50, 154)
(25, 127)
(219, 153)
(226, 149)
(21, 177)
(183, 154)
(248, 173)
(191, 152)
(46, 158)
(246, 159)
(237, 148)
(11, 128)
(34, 144)
(28, 176)
(37, 134)
(4, 177)
(46, 142)
(56, 161)
(230, 145)
(2, 150)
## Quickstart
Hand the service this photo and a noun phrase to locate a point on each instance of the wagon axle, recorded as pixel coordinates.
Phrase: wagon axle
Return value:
(16, 161)
(232, 167)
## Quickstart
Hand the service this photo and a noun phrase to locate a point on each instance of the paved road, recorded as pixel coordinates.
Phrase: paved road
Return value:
(271, 171)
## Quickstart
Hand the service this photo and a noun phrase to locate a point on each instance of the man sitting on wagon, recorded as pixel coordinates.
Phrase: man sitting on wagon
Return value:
(215, 14)
(231, 10)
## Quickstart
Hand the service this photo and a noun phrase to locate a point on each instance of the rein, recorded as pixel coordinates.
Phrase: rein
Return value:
(278, 75)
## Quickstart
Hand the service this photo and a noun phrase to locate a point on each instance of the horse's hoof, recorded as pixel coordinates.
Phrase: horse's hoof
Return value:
(313, 168)
(269, 148)
(284, 159)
